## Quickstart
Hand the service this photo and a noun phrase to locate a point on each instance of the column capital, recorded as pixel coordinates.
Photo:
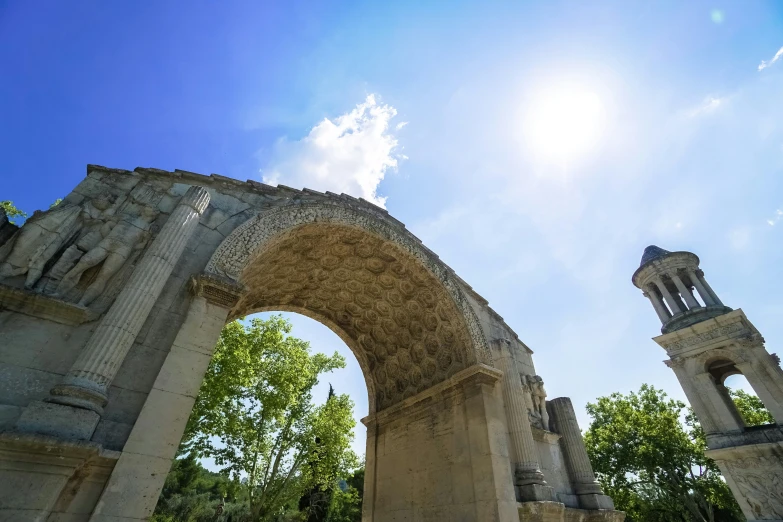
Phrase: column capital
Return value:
(675, 362)
(196, 198)
(217, 290)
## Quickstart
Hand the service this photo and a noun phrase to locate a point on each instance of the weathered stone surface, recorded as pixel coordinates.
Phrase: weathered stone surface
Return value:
(706, 344)
(132, 356)
(58, 420)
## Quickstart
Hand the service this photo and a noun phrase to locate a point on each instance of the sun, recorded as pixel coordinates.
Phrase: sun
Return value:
(563, 124)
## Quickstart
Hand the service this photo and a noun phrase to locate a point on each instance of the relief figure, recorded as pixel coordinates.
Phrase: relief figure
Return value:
(37, 242)
(130, 233)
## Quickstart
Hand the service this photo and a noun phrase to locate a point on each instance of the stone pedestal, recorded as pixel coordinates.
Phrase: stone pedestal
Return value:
(45, 478)
(58, 420)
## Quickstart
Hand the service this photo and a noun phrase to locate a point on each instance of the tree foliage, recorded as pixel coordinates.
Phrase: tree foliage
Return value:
(193, 494)
(255, 417)
(11, 211)
(751, 408)
(648, 453)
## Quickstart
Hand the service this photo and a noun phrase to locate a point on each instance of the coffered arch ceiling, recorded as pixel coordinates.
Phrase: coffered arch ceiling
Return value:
(401, 321)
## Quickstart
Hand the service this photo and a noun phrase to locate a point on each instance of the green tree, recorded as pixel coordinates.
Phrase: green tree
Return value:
(56, 202)
(751, 408)
(11, 211)
(346, 501)
(346, 506)
(192, 493)
(648, 454)
(255, 416)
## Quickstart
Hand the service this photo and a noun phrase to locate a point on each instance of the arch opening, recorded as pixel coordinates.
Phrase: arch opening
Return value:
(721, 369)
(737, 393)
(397, 318)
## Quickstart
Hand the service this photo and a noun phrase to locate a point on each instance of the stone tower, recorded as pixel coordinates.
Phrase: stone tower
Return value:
(707, 342)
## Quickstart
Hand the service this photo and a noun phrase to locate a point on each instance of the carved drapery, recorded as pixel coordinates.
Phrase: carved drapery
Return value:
(74, 250)
(87, 382)
(760, 482)
(535, 397)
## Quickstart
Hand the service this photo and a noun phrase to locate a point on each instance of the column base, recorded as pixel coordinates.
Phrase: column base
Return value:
(593, 501)
(58, 420)
(78, 397)
(558, 512)
(535, 493)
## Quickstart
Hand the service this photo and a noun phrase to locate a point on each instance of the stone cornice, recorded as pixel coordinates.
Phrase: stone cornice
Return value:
(38, 305)
(712, 333)
(478, 374)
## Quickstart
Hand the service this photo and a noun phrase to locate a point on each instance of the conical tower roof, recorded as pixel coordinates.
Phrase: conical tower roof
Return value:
(652, 252)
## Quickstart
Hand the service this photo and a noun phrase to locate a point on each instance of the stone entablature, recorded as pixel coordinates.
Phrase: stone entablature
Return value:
(727, 329)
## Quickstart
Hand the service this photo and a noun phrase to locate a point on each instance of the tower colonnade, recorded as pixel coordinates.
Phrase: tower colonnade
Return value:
(672, 281)
(706, 343)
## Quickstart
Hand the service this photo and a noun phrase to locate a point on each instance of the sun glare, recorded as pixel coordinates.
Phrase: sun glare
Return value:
(563, 124)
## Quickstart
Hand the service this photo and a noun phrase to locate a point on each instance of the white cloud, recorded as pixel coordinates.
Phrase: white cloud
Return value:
(349, 154)
(709, 105)
(400, 125)
(764, 64)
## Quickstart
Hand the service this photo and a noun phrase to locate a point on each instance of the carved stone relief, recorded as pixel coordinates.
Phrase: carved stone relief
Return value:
(706, 336)
(73, 250)
(760, 482)
(535, 399)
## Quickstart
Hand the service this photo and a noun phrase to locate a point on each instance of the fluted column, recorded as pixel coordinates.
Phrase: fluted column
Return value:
(670, 300)
(660, 309)
(705, 295)
(577, 462)
(524, 454)
(700, 276)
(685, 292)
(574, 451)
(86, 384)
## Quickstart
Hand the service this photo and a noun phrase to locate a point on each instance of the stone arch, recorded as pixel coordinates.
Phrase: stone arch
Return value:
(394, 303)
(710, 361)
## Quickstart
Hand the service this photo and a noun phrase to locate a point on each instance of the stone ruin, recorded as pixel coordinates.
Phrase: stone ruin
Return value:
(111, 304)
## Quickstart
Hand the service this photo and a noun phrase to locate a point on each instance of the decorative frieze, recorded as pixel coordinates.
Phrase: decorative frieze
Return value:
(217, 290)
(760, 482)
(716, 333)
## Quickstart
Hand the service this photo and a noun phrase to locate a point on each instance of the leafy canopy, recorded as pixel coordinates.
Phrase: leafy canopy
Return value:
(648, 454)
(11, 211)
(255, 417)
(751, 408)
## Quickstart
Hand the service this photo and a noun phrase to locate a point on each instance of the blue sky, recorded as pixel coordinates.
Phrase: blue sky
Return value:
(666, 129)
